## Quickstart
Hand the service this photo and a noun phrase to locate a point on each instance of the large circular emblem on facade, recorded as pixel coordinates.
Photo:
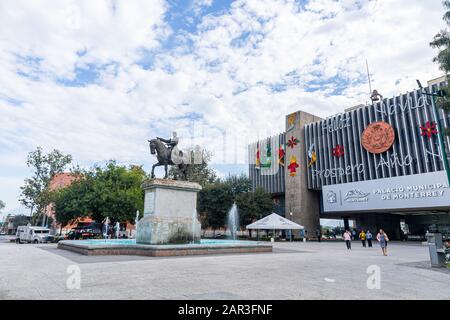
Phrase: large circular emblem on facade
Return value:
(378, 137)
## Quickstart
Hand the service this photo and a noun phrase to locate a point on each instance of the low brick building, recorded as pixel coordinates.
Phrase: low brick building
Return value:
(59, 181)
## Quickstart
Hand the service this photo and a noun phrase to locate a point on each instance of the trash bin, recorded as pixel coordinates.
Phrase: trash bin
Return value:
(436, 249)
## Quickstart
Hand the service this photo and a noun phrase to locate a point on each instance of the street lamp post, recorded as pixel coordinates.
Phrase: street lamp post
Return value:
(290, 231)
(440, 133)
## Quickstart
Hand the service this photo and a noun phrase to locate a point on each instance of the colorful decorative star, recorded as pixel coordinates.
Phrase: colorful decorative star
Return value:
(429, 129)
(291, 119)
(258, 157)
(338, 151)
(293, 166)
(292, 142)
(281, 154)
(312, 155)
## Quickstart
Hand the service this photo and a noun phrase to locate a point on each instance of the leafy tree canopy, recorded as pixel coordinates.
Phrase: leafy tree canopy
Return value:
(112, 191)
(237, 184)
(214, 202)
(254, 205)
(216, 199)
(34, 193)
(441, 42)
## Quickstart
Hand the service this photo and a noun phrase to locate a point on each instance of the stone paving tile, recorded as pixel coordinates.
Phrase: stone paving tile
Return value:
(293, 271)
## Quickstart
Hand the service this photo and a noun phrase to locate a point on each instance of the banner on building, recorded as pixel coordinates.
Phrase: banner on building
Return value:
(419, 191)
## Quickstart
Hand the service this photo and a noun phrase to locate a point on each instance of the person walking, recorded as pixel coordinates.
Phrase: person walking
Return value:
(369, 238)
(319, 234)
(348, 239)
(383, 240)
(353, 234)
(362, 237)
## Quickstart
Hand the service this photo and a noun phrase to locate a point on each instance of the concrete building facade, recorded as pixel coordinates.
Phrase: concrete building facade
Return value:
(278, 163)
(381, 165)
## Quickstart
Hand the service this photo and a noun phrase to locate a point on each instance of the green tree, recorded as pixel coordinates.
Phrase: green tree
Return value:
(112, 191)
(253, 205)
(216, 199)
(441, 41)
(214, 202)
(118, 191)
(35, 194)
(238, 184)
(74, 201)
(199, 170)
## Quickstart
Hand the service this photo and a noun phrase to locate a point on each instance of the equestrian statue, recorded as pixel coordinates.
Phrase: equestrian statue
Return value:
(168, 154)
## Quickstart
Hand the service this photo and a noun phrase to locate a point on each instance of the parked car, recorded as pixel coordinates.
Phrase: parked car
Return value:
(90, 230)
(32, 234)
(58, 238)
(218, 236)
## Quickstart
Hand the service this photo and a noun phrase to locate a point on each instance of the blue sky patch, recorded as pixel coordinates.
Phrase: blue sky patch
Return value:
(29, 67)
(11, 101)
(88, 75)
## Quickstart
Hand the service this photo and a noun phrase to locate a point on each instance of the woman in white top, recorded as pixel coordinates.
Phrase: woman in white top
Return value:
(348, 239)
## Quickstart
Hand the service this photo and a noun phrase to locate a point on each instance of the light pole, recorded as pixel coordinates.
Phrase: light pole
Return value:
(433, 95)
(290, 231)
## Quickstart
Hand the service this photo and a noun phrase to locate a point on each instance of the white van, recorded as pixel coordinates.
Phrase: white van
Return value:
(33, 234)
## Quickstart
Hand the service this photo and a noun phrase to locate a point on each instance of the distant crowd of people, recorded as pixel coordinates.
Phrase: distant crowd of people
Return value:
(366, 237)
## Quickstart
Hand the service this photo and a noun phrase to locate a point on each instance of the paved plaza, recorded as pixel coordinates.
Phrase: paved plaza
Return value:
(293, 271)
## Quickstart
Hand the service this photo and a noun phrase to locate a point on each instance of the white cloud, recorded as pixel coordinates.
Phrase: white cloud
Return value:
(59, 32)
(249, 49)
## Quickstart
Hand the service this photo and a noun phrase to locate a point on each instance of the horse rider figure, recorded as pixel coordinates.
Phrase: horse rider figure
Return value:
(170, 143)
(172, 146)
(167, 153)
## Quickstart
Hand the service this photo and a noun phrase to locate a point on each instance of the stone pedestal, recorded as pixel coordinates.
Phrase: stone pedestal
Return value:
(170, 213)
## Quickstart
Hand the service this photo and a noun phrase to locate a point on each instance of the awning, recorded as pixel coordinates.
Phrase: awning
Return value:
(274, 222)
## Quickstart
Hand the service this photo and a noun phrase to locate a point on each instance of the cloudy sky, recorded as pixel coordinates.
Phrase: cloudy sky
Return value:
(96, 79)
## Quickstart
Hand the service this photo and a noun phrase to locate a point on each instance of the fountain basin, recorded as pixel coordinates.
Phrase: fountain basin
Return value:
(130, 247)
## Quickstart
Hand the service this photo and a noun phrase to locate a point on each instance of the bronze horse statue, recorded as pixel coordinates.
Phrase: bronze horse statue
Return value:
(165, 158)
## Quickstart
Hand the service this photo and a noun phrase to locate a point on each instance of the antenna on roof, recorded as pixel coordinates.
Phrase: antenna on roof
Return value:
(375, 96)
(368, 76)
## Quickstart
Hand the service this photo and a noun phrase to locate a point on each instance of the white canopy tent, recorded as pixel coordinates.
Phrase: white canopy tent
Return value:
(274, 222)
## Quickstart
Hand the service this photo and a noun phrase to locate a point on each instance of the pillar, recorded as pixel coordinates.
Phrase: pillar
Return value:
(303, 203)
(346, 224)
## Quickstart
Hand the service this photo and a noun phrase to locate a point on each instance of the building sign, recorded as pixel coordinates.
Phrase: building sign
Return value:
(335, 124)
(420, 191)
(396, 107)
(391, 138)
(390, 161)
